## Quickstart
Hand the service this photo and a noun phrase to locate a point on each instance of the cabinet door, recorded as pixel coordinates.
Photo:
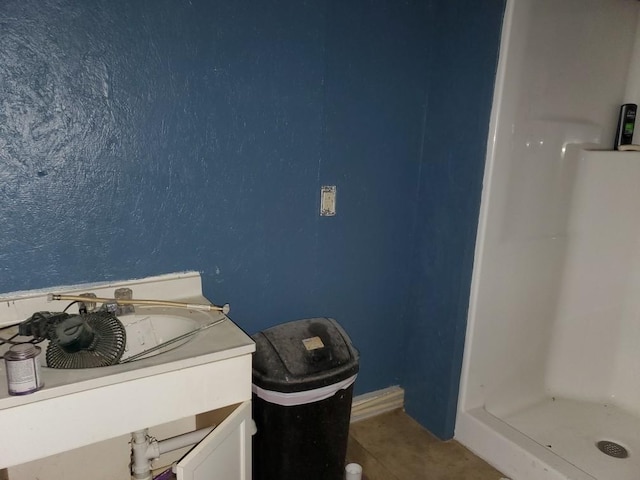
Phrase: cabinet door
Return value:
(224, 454)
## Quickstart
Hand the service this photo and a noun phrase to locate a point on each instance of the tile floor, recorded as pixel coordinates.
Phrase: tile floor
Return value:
(393, 446)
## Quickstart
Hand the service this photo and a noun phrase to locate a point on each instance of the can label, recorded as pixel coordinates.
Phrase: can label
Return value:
(23, 376)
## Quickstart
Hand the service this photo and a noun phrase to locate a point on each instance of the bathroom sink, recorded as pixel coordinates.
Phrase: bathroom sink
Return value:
(152, 331)
(159, 339)
(157, 333)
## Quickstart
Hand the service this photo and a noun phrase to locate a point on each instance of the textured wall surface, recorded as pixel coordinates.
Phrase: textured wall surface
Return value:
(466, 41)
(147, 137)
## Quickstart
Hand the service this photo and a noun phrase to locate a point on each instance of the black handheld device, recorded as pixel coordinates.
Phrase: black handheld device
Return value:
(626, 124)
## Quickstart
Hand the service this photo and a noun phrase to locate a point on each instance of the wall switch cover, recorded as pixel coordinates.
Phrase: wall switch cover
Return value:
(328, 201)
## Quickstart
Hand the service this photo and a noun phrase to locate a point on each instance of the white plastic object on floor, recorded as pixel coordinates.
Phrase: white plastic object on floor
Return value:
(353, 471)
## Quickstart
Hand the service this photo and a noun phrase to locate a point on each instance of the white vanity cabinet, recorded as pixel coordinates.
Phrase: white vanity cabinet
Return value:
(77, 408)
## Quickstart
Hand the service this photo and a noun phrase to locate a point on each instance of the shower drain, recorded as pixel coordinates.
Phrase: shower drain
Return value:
(612, 449)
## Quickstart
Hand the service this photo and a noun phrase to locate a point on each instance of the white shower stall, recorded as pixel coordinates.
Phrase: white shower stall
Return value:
(552, 355)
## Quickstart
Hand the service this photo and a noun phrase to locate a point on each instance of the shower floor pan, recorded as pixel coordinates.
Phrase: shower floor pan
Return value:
(555, 439)
(572, 429)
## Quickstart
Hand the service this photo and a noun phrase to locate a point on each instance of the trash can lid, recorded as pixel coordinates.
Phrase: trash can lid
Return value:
(303, 355)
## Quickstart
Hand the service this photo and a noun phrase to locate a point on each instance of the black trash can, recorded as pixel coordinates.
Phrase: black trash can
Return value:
(303, 376)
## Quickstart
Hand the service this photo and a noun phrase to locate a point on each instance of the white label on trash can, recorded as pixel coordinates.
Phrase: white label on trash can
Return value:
(313, 343)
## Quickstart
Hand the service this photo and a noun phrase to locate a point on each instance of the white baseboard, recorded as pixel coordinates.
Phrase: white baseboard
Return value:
(375, 403)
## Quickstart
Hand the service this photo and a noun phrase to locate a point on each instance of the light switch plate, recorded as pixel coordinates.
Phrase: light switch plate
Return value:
(327, 200)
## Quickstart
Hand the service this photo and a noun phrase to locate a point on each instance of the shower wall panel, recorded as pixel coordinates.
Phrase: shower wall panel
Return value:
(594, 351)
(564, 72)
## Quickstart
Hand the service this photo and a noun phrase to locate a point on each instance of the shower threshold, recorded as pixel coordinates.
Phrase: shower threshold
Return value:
(573, 429)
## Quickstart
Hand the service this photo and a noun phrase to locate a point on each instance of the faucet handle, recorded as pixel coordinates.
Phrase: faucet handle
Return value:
(88, 306)
(123, 294)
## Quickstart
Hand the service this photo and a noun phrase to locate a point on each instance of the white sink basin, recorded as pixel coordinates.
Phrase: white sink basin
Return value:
(197, 336)
(149, 331)
(156, 330)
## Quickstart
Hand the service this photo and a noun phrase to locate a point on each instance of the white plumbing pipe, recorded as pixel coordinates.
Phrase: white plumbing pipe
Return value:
(144, 449)
(184, 440)
(140, 463)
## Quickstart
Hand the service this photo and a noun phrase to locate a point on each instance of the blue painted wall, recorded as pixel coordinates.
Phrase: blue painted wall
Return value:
(457, 108)
(147, 137)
